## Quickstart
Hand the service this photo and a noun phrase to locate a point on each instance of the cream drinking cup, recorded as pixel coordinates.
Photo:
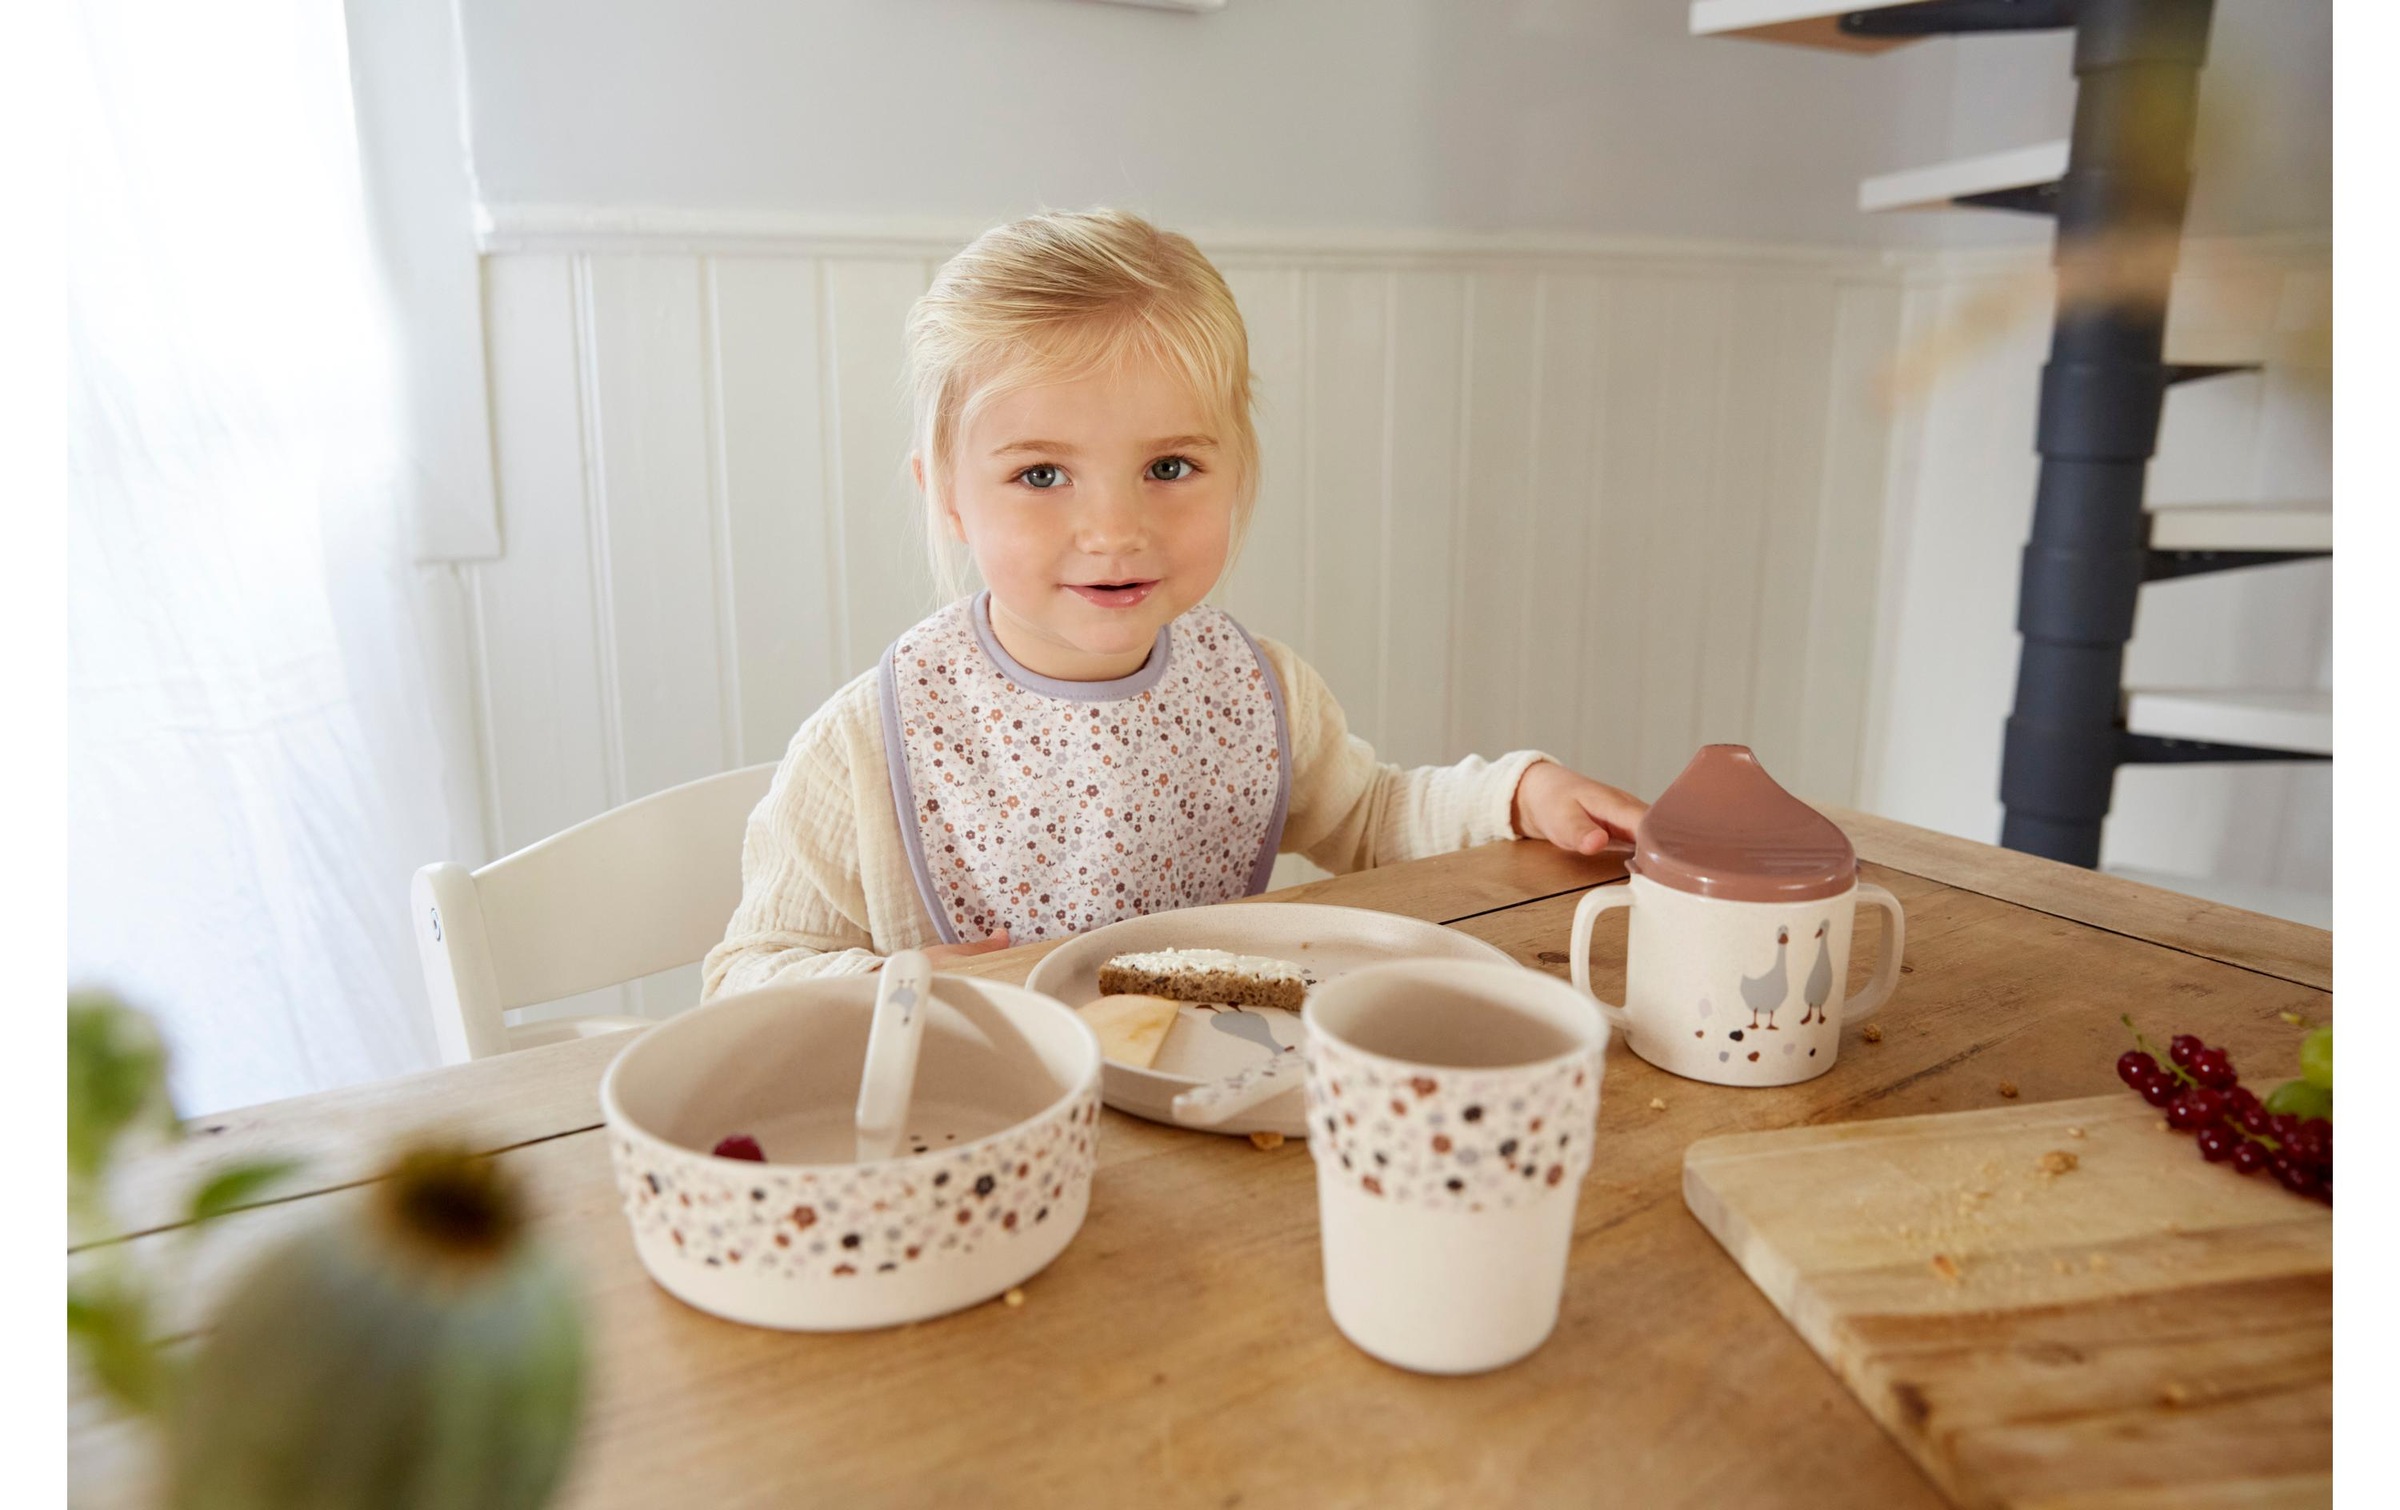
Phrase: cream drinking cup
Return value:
(1450, 1111)
(1731, 992)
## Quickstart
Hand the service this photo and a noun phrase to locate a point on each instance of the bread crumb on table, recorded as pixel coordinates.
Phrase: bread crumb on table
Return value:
(2294, 1018)
(2173, 1393)
(1264, 1139)
(1872, 1033)
(2075, 1132)
(1947, 1267)
(2058, 1161)
(2008, 1090)
(1014, 1298)
(1657, 1105)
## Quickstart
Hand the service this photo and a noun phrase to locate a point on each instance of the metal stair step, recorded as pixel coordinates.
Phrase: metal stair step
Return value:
(1879, 25)
(1802, 23)
(2301, 721)
(2244, 527)
(1941, 186)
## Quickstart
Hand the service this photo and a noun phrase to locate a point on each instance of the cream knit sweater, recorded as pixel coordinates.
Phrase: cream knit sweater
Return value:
(826, 885)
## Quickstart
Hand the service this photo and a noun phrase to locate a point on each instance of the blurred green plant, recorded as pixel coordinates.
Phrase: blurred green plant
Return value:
(423, 1354)
(419, 1352)
(117, 1099)
(116, 1082)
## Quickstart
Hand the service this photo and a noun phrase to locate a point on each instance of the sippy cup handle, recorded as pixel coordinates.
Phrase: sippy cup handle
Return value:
(1579, 950)
(1887, 966)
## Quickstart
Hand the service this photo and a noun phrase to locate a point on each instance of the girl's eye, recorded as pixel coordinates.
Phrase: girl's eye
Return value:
(1041, 475)
(1171, 469)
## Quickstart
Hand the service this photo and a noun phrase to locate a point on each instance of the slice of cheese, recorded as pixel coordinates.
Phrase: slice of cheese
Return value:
(1131, 1028)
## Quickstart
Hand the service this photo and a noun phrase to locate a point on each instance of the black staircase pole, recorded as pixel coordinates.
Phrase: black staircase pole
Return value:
(2120, 215)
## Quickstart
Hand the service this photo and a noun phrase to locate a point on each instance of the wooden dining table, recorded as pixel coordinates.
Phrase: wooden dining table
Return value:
(1179, 1351)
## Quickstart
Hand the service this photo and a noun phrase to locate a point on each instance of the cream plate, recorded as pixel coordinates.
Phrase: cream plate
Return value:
(1207, 1043)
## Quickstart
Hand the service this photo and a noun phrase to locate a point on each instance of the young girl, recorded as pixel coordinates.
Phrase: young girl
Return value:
(1087, 740)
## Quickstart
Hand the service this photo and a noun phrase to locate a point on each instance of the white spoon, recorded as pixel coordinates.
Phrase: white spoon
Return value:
(1219, 1101)
(889, 1077)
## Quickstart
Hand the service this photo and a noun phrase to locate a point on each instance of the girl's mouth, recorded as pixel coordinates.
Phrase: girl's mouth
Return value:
(1113, 594)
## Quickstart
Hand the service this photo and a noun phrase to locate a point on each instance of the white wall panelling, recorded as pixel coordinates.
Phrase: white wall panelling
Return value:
(1613, 501)
(546, 718)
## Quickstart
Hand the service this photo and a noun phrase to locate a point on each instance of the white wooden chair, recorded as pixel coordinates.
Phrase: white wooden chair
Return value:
(642, 888)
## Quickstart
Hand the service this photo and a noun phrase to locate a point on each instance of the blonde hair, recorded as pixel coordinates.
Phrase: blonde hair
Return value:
(1057, 297)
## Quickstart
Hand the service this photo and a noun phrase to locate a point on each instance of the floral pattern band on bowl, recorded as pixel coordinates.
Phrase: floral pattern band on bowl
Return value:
(839, 1221)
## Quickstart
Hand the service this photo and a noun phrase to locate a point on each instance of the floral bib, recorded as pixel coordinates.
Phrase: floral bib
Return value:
(1052, 808)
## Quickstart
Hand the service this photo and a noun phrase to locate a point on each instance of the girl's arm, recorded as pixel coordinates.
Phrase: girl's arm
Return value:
(825, 886)
(804, 904)
(1350, 812)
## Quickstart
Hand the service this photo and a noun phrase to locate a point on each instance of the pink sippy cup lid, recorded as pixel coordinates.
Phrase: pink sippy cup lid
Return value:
(1724, 829)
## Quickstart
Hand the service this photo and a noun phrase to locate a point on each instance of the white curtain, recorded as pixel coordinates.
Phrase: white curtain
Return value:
(254, 770)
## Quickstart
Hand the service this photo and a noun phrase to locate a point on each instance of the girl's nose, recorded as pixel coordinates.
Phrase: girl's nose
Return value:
(1111, 522)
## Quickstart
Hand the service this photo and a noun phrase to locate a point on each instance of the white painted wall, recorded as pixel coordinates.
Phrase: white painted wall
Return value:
(1596, 116)
(1599, 116)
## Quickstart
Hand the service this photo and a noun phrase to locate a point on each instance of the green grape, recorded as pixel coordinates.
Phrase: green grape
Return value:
(2301, 1099)
(2316, 1059)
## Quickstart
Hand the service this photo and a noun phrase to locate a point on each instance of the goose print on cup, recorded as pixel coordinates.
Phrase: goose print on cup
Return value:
(1820, 978)
(1765, 993)
(1769, 993)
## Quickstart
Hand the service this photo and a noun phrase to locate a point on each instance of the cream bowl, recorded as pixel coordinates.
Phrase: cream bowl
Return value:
(993, 1184)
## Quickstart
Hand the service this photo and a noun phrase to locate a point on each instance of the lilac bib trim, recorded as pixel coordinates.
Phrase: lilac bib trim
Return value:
(1051, 807)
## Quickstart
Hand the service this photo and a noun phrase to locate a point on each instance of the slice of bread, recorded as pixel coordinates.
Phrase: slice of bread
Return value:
(1211, 975)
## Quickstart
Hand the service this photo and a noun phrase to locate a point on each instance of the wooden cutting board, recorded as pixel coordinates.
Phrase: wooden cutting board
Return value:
(2142, 1329)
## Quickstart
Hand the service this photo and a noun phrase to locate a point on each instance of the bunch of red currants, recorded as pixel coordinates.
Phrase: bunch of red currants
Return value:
(2200, 1093)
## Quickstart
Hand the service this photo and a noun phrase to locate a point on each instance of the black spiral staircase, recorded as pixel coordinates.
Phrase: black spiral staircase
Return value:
(2117, 189)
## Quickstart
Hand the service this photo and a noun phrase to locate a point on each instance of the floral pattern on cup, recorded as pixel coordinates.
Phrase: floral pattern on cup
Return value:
(1451, 1139)
(838, 1221)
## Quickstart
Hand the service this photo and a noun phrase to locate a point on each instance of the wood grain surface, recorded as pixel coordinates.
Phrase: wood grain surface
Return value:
(2271, 946)
(2136, 1328)
(1178, 1352)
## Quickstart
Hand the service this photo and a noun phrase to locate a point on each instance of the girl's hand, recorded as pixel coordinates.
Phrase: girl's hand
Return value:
(945, 955)
(1576, 813)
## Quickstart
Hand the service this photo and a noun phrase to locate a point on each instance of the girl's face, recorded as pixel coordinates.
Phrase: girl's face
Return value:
(1097, 510)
